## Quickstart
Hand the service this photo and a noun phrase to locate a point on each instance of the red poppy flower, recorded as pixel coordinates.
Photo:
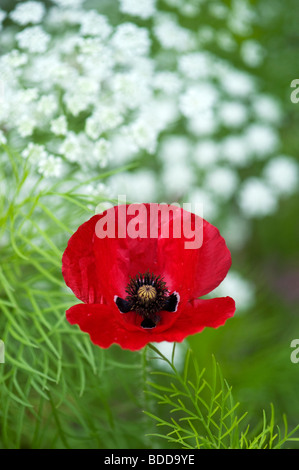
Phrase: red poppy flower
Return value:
(141, 283)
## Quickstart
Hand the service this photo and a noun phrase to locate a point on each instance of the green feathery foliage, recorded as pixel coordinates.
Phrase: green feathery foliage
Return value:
(203, 415)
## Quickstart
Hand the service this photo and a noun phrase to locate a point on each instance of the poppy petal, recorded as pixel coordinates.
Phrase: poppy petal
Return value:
(78, 264)
(199, 314)
(213, 261)
(104, 328)
(195, 263)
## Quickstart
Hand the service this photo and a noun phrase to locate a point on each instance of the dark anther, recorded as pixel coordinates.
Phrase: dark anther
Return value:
(147, 295)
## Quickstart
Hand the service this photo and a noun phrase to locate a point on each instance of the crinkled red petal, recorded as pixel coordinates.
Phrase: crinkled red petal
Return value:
(78, 264)
(192, 272)
(106, 329)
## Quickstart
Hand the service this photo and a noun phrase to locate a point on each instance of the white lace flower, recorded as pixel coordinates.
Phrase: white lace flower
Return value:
(50, 166)
(34, 153)
(69, 15)
(201, 124)
(69, 3)
(25, 126)
(94, 24)
(198, 99)
(175, 149)
(130, 42)
(93, 127)
(262, 139)
(14, 59)
(282, 173)
(47, 105)
(28, 12)
(233, 114)
(236, 83)
(76, 102)
(34, 39)
(130, 89)
(267, 108)
(206, 153)
(59, 125)
(101, 152)
(257, 199)
(195, 65)
(239, 288)
(71, 147)
(140, 186)
(235, 150)
(143, 136)
(252, 53)
(3, 139)
(173, 36)
(104, 118)
(177, 179)
(142, 8)
(202, 199)
(167, 82)
(222, 182)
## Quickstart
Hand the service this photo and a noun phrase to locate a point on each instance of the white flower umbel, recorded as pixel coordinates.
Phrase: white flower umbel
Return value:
(77, 148)
(130, 42)
(235, 150)
(59, 125)
(257, 199)
(50, 166)
(141, 8)
(34, 153)
(236, 83)
(252, 53)
(69, 3)
(94, 24)
(25, 126)
(262, 139)
(177, 179)
(47, 105)
(206, 153)
(87, 75)
(239, 288)
(203, 199)
(222, 182)
(198, 99)
(171, 35)
(233, 114)
(143, 136)
(28, 12)
(3, 139)
(196, 65)
(139, 186)
(167, 82)
(282, 173)
(175, 149)
(33, 39)
(14, 59)
(101, 152)
(267, 108)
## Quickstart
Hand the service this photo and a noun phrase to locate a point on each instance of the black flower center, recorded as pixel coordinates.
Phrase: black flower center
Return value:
(147, 296)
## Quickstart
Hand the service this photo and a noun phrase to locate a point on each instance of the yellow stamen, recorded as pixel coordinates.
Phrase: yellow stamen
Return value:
(147, 293)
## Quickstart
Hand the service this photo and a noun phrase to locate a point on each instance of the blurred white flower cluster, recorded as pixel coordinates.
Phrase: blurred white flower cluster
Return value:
(82, 91)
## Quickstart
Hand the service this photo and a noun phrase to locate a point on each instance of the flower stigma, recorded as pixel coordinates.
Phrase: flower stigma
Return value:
(147, 296)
